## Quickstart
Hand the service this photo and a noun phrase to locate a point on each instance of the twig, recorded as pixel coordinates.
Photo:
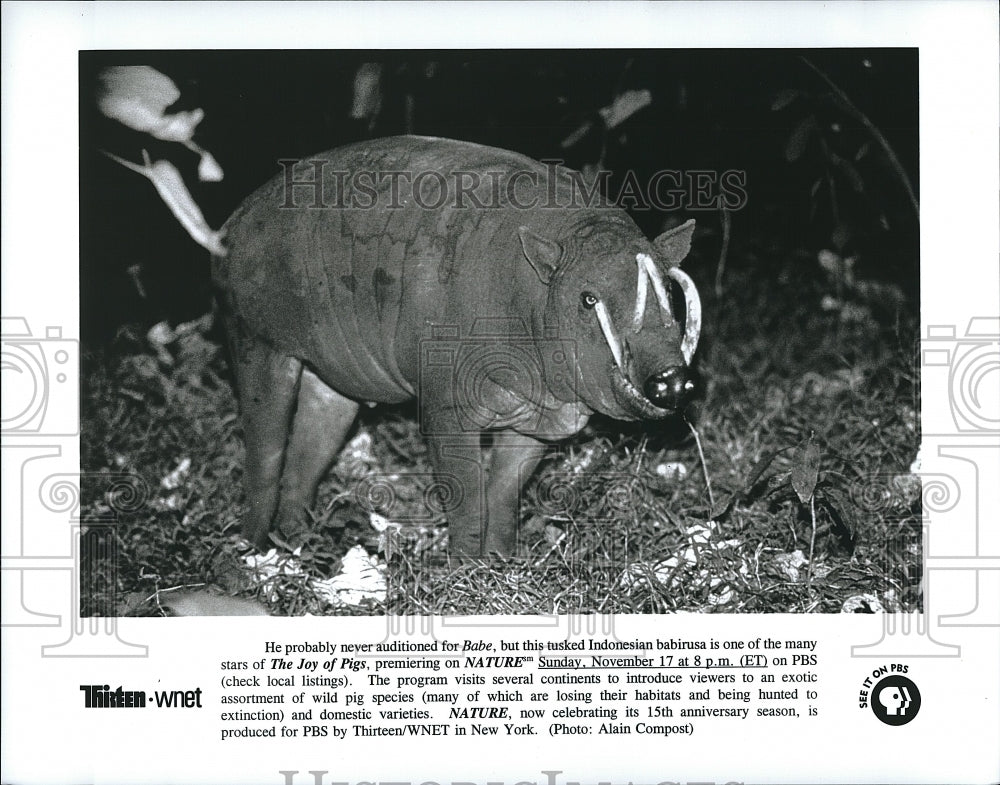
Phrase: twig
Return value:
(873, 130)
(812, 539)
(704, 466)
(727, 222)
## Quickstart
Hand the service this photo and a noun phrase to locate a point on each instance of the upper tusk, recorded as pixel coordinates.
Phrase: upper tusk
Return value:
(692, 326)
(609, 334)
(640, 297)
(661, 291)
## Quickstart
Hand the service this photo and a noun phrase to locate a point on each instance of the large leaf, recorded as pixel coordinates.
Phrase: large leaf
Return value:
(843, 513)
(624, 106)
(137, 95)
(783, 99)
(756, 472)
(367, 103)
(170, 186)
(805, 469)
(203, 603)
(799, 138)
(851, 173)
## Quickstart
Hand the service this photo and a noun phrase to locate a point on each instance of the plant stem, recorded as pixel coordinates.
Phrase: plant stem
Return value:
(704, 466)
(873, 130)
(812, 539)
(727, 222)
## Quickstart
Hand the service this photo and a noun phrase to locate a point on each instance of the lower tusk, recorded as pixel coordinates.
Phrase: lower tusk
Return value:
(609, 334)
(692, 326)
(640, 297)
(661, 291)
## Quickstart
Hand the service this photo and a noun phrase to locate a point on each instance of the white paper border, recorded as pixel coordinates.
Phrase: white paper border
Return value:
(45, 741)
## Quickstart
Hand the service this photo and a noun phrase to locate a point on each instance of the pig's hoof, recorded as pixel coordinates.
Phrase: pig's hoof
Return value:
(294, 530)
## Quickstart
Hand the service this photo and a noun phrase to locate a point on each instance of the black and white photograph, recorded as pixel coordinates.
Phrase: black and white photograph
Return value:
(478, 393)
(505, 332)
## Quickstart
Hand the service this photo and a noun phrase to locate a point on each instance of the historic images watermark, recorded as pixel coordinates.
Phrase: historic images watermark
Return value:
(314, 184)
(551, 777)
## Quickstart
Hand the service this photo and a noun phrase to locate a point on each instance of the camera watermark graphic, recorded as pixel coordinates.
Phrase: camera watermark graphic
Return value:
(498, 375)
(596, 510)
(85, 572)
(587, 515)
(40, 377)
(961, 382)
(409, 497)
(967, 365)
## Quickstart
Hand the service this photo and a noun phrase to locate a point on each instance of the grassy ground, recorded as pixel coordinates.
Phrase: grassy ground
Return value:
(808, 424)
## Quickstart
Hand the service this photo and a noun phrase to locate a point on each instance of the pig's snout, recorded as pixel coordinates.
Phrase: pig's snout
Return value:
(671, 388)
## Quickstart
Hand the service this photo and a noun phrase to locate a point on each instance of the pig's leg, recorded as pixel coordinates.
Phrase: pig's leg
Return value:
(515, 458)
(322, 419)
(457, 463)
(268, 383)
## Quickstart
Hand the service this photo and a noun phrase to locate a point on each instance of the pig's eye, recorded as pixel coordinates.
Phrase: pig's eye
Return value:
(588, 299)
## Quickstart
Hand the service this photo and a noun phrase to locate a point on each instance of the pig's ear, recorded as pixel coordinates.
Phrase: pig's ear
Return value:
(543, 254)
(675, 243)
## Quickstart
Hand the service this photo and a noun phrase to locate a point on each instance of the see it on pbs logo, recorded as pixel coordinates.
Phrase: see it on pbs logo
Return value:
(894, 698)
(40, 377)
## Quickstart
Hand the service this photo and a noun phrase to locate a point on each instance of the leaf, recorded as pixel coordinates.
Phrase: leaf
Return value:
(367, 101)
(805, 469)
(581, 131)
(720, 511)
(132, 604)
(763, 462)
(852, 174)
(783, 99)
(776, 482)
(842, 235)
(175, 478)
(170, 186)
(830, 261)
(842, 512)
(209, 170)
(624, 106)
(753, 478)
(799, 137)
(202, 603)
(813, 201)
(862, 603)
(176, 127)
(360, 578)
(137, 96)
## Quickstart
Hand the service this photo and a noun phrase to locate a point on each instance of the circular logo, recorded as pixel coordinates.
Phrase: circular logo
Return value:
(485, 377)
(26, 394)
(895, 700)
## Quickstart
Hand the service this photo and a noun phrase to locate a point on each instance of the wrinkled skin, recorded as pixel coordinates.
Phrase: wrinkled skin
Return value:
(497, 313)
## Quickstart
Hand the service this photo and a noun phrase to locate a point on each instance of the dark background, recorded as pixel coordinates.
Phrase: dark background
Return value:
(714, 110)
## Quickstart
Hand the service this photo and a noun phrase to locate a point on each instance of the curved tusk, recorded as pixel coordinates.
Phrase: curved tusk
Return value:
(692, 326)
(640, 295)
(609, 333)
(666, 315)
